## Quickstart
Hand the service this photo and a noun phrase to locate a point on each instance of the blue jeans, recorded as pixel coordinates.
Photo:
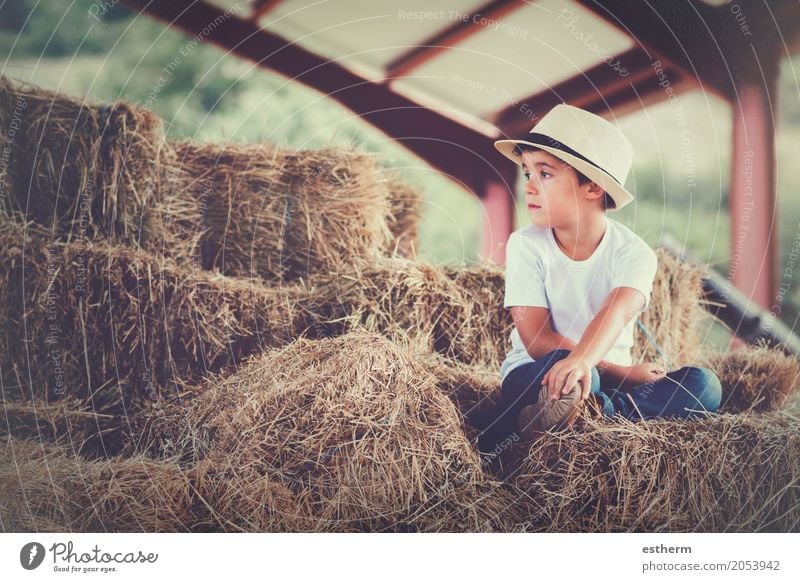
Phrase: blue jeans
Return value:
(689, 392)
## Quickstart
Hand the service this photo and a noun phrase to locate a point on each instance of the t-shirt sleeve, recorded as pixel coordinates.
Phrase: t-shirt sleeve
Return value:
(524, 274)
(636, 268)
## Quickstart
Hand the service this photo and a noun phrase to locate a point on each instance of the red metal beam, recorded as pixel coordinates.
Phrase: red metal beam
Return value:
(687, 35)
(615, 85)
(787, 16)
(639, 95)
(460, 153)
(261, 8)
(582, 90)
(457, 32)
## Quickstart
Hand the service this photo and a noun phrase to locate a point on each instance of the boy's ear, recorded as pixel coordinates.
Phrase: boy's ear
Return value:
(594, 191)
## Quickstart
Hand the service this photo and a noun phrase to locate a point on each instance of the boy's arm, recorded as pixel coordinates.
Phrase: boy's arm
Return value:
(539, 337)
(618, 308)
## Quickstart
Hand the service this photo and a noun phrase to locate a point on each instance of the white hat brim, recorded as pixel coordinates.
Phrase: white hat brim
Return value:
(620, 195)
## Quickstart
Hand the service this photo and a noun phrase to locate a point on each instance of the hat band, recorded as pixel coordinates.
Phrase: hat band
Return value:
(546, 140)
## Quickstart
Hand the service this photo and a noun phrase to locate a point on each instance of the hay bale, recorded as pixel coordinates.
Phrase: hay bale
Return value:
(83, 169)
(115, 327)
(405, 205)
(454, 311)
(283, 215)
(673, 316)
(53, 152)
(473, 389)
(250, 498)
(353, 426)
(722, 474)
(755, 378)
(48, 489)
(69, 422)
(130, 173)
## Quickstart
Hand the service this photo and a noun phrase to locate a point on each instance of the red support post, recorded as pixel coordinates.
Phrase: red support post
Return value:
(754, 265)
(498, 216)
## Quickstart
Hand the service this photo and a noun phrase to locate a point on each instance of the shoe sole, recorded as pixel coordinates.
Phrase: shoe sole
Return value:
(546, 414)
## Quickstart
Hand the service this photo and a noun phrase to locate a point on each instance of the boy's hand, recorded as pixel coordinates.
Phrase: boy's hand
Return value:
(644, 374)
(562, 377)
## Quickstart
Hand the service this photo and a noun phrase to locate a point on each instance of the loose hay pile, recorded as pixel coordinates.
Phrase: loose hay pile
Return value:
(352, 422)
(352, 426)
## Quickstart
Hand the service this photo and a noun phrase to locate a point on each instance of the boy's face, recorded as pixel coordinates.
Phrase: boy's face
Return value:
(552, 193)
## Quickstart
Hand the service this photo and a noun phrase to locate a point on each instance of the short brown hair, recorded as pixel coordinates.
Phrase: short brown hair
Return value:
(608, 201)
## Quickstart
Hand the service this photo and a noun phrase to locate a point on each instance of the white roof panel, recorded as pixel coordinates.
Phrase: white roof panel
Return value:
(363, 36)
(523, 52)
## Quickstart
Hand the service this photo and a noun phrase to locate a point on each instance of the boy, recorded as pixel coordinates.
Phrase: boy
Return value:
(575, 282)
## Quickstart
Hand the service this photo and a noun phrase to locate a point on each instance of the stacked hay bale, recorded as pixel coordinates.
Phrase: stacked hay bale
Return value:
(283, 215)
(88, 170)
(46, 488)
(53, 146)
(756, 378)
(114, 327)
(77, 425)
(460, 309)
(85, 170)
(353, 427)
(731, 473)
(405, 203)
(455, 311)
(676, 304)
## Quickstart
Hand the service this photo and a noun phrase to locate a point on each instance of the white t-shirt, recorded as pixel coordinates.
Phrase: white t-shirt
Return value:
(539, 274)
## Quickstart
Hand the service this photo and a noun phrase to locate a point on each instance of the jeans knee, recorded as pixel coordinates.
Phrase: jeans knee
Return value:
(708, 388)
(556, 355)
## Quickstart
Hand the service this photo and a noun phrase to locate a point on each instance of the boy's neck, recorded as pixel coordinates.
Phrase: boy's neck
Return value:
(579, 241)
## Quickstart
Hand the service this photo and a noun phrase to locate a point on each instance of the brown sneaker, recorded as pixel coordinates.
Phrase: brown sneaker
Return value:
(547, 414)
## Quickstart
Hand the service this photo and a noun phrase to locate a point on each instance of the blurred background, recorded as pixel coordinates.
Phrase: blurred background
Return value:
(104, 51)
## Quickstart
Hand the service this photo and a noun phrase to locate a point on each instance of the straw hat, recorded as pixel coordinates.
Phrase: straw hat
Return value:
(587, 142)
